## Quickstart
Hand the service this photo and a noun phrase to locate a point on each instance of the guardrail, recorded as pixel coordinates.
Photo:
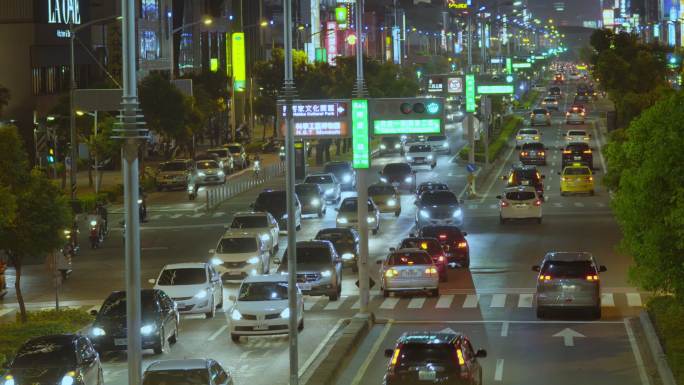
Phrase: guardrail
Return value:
(216, 195)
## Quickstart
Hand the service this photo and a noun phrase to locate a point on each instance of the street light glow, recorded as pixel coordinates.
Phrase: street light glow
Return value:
(264, 23)
(208, 21)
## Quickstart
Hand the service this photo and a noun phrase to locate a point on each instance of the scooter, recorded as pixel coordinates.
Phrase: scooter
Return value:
(95, 235)
(257, 168)
(64, 264)
(281, 153)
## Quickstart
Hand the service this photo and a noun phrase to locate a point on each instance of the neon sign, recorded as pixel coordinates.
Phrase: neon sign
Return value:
(64, 12)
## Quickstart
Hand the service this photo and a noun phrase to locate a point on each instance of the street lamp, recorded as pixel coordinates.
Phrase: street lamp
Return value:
(97, 173)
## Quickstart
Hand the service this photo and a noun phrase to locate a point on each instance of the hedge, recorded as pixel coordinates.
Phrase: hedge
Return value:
(510, 126)
(667, 314)
(39, 323)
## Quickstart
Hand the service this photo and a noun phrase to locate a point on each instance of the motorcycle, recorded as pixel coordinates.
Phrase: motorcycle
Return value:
(142, 208)
(257, 168)
(71, 237)
(64, 263)
(192, 190)
(95, 234)
(281, 153)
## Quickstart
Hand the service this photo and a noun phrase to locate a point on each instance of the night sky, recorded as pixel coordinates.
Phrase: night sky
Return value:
(575, 10)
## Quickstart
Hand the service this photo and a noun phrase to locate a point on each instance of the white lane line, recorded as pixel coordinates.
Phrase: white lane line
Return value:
(471, 301)
(416, 303)
(5, 311)
(218, 214)
(444, 301)
(373, 351)
(634, 299)
(218, 332)
(154, 248)
(497, 175)
(498, 300)
(525, 300)
(494, 206)
(607, 300)
(197, 215)
(637, 354)
(504, 329)
(498, 372)
(308, 304)
(389, 303)
(557, 204)
(579, 204)
(334, 305)
(174, 216)
(548, 187)
(357, 304)
(155, 217)
(599, 136)
(472, 206)
(320, 347)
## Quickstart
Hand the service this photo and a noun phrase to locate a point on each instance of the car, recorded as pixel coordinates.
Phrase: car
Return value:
(275, 203)
(390, 145)
(386, 197)
(575, 115)
(453, 243)
(312, 198)
(197, 371)
(430, 357)
(420, 154)
(533, 153)
(538, 87)
(574, 76)
(239, 254)
(208, 172)
(438, 208)
(258, 223)
(430, 186)
(577, 152)
(433, 248)
(226, 158)
(261, 307)
(195, 287)
(527, 135)
(568, 280)
(555, 91)
(160, 322)
(239, 155)
(540, 116)
(576, 136)
(329, 184)
(576, 178)
(347, 215)
(173, 174)
(319, 269)
(408, 270)
(524, 175)
(346, 244)
(399, 175)
(522, 202)
(439, 143)
(558, 78)
(344, 172)
(209, 156)
(55, 359)
(550, 103)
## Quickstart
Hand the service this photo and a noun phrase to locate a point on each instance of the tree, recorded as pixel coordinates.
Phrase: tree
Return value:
(646, 164)
(103, 145)
(4, 98)
(42, 211)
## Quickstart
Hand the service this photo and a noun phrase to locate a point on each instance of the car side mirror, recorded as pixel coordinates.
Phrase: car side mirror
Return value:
(152, 281)
(212, 251)
(93, 312)
(232, 298)
(481, 353)
(389, 352)
(498, 197)
(536, 268)
(602, 269)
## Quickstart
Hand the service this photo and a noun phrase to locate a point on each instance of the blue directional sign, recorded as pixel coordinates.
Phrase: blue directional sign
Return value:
(470, 167)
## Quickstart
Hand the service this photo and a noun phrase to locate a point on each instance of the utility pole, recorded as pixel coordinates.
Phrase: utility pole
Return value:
(72, 115)
(469, 115)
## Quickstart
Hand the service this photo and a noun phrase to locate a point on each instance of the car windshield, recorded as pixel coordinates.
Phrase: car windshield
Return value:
(568, 269)
(273, 201)
(549, 99)
(432, 246)
(577, 171)
(177, 377)
(219, 152)
(397, 168)
(173, 166)
(249, 222)
(520, 195)
(420, 148)
(207, 164)
(439, 198)
(349, 205)
(533, 146)
(44, 352)
(336, 168)
(405, 259)
(188, 276)
(528, 131)
(436, 138)
(263, 291)
(335, 236)
(319, 179)
(234, 149)
(236, 245)
(417, 354)
(380, 190)
(311, 255)
(303, 189)
(115, 305)
(539, 111)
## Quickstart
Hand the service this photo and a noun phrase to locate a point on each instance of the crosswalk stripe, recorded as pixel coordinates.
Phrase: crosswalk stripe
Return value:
(311, 302)
(634, 299)
(197, 215)
(218, 214)
(416, 303)
(557, 204)
(356, 305)
(174, 216)
(579, 204)
(444, 301)
(471, 301)
(5, 311)
(389, 303)
(494, 206)
(472, 207)
(607, 300)
(334, 305)
(498, 300)
(525, 300)
(155, 217)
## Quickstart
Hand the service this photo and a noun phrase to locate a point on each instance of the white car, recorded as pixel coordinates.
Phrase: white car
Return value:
(226, 158)
(261, 307)
(575, 115)
(577, 136)
(347, 215)
(240, 254)
(527, 135)
(421, 154)
(195, 287)
(522, 202)
(237, 151)
(540, 116)
(439, 143)
(574, 76)
(208, 172)
(258, 223)
(329, 184)
(408, 270)
(550, 103)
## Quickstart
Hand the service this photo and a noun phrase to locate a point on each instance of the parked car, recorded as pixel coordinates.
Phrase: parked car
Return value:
(408, 270)
(520, 202)
(319, 269)
(196, 371)
(195, 287)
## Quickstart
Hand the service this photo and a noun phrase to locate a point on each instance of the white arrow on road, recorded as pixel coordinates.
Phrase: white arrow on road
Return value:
(568, 336)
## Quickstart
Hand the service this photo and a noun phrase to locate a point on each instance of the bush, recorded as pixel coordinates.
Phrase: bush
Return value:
(39, 323)
(667, 314)
(510, 125)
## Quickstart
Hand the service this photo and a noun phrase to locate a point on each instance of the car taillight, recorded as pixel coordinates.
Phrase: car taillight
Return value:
(431, 271)
(462, 245)
(592, 277)
(538, 202)
(562, 179)
(567, 114)
(582, 113)
(567, 152)
(591, 178)
(548, 114)
(395, 356)
(504, 204)
(541, 153)
(459, 357)
(587, 151)
(391, 273)
(524, 153)
(544, 278)
(442, 236)
(440, 259)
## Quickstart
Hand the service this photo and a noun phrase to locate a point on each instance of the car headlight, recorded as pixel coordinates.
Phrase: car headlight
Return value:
(68, 378)
(342, 220)
(97, 332)
(330, 191)
(424, 214)
(200, 173)
(216, 261)
(326, 273)
(253, 260)
(519, 137)
(148, 329)
(265, 237)
(391, 202)
(408, 179)
(140, 201)
(285, 216)
(93, 223)
(370, 219)
(9, 380)
(347, 256)
(201, 295)
(347, 178)
(445, 144)
(383, 147)
(383, 179)
(235, 315)
(409, 158)
(285, 313)
(429, 157)
(315, 202)
(458, 213)
(220, 173)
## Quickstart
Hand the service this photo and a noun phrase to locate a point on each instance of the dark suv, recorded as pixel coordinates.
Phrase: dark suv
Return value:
(399, 175)
(344, 172)
(526, 176)
(533, 153)
(159, 325)
(435, 358)
(319, 269)
(453, 242)
(346, 244)
(578, 152)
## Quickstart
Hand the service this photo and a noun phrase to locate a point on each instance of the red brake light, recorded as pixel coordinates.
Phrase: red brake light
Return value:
(538, 202)
(587, 151)
(442, 236)
(504, 204)
(441, 258)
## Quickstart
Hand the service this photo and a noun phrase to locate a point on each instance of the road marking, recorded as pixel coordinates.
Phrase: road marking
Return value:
(320, 347)
(579, 204)
(5, 311)
(154, 248)
(525, 300)
(599, 140)
(444, 301)
(389, 303)
(217, 333)
(357, 305)
(493, 206)
(155, 217)
(637, 354)
(197, 215)
(472, 206)
(634, 299)
(557, 204)
(218, 214)
(416, 303)
(607, 300)
(334, 305)
(471, 300)
(504, 329)
(308, 304)
(498, 300)
(498, 373)
(569, 336)
(373, 351)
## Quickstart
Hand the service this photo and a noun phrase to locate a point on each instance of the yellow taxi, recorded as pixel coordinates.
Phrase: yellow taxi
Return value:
(385, 197)
(576, 178)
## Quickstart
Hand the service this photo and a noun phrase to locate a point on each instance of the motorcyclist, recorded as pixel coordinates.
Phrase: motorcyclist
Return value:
(142, 207)
(257, 165)
(101, 210)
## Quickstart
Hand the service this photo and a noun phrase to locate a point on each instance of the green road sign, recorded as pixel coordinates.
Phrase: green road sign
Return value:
(470, 92)
(522, 65)
(360, 138)
(509, 65)
(407, 127)
(495, 89)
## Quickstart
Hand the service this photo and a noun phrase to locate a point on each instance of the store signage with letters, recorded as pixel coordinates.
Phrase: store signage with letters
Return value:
(64, 11)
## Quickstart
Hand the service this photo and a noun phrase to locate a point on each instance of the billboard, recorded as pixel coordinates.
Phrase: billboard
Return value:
(608, 17)
(455, 85)
(458, 4)
(317, 118)
(331, 41)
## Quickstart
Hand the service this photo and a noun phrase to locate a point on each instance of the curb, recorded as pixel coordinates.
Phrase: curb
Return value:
(656, 349)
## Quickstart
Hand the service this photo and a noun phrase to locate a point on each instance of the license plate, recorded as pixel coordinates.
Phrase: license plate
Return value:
(304, 286)
(427, 375)
(526, 183)
(120, 341)
(532, 153)
(521, 206)
(578, 158)
(261, 327)
(234, 272)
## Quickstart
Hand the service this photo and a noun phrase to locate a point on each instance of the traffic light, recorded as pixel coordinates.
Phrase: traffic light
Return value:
(51, 155)
(407, 116)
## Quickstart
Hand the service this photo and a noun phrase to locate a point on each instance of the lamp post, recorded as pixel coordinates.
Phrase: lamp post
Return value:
(172, 68)
(97, 173)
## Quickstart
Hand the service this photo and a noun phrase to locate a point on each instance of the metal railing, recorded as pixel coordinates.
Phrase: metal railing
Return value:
(215, 195)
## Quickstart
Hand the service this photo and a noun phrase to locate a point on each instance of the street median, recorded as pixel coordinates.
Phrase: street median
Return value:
(510, 125)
